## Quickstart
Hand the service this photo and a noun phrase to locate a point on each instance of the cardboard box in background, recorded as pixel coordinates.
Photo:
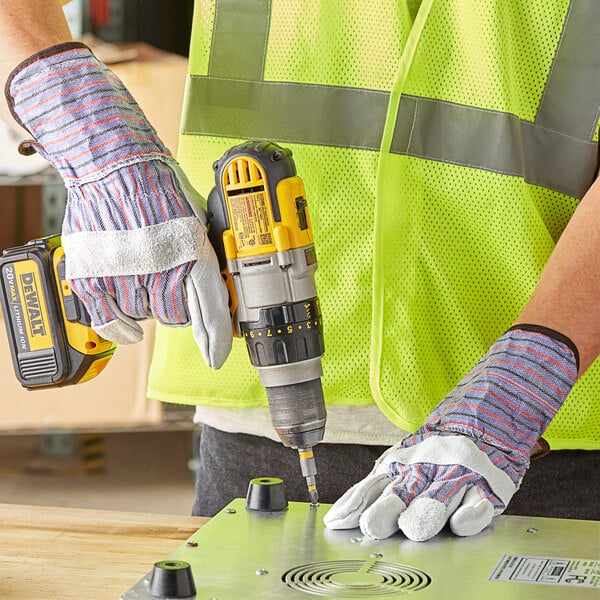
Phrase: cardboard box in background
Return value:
(114, 399)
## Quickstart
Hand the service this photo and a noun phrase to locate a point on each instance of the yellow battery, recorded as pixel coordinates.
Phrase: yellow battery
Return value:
(48, 328)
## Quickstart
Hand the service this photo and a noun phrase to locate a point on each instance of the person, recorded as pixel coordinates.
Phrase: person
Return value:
(444, 147)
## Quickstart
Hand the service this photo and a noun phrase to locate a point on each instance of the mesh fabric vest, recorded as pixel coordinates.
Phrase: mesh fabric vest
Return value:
(442, 157)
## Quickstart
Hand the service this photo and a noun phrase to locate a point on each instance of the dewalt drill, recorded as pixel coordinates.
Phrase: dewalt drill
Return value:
(261, 230)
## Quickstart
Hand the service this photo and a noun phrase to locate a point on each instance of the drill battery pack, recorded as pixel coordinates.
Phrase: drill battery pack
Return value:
(49, 333)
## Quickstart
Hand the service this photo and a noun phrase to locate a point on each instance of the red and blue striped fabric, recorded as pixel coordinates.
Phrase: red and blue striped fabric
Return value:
(504, 405)
(119, 175)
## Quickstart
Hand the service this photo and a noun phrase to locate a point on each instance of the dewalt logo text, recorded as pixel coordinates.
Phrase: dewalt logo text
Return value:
(32, 303)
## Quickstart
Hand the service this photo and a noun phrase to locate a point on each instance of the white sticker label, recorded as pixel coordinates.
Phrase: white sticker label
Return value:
(577, 572)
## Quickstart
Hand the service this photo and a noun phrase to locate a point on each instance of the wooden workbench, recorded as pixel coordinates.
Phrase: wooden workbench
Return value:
(49, 553)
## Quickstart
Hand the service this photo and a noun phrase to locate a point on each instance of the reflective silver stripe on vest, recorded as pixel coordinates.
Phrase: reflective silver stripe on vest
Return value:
(461, 135)
(555, 151)
(286, 112)
(571, 98)
(235, 101)
(239, 38)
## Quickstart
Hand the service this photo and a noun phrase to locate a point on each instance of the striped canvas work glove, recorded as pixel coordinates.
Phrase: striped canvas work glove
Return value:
(134, 231)
(466, 462)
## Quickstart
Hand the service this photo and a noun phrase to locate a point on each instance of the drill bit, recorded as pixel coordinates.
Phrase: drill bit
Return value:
(309, 470)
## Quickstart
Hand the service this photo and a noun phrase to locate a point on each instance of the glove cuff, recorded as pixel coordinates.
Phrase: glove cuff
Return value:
(46, 52)
(551, 333)
(82, 117)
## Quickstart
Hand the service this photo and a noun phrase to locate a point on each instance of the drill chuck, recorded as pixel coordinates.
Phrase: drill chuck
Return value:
(298, 413)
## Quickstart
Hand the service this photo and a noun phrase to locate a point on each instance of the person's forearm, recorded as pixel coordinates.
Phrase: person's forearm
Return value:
(28, 26)
(567, 297)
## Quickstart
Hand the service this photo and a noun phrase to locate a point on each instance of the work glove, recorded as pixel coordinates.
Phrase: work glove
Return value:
(134, 231)
(466, 462)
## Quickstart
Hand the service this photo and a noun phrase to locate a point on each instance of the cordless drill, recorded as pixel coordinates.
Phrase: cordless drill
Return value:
(261, 230)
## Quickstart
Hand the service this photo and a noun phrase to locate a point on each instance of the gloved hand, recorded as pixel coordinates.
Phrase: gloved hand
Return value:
(466, 462)
(134, 232)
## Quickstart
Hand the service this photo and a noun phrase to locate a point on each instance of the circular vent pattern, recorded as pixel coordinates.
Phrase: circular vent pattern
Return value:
(355, 578)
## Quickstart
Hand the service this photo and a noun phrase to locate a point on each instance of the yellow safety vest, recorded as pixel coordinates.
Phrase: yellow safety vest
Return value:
(442, 157)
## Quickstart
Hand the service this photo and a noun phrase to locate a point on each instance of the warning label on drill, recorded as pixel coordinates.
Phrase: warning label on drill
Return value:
(250, 220)
(571, 572)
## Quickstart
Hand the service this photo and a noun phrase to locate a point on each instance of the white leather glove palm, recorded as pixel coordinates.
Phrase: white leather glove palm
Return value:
(418, 489)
